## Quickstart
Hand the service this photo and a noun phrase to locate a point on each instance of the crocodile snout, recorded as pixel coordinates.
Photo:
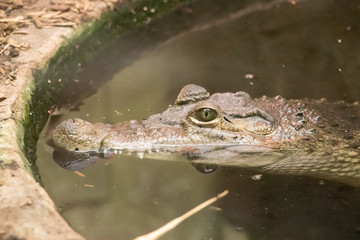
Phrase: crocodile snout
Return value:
(78, 135)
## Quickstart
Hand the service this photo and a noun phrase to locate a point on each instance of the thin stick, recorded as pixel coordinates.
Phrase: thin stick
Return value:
(19, 19)
(172, 224)
(4, 48)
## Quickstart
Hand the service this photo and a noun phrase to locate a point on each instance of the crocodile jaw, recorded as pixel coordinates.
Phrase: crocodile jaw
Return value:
(161, 142)
(81, 136)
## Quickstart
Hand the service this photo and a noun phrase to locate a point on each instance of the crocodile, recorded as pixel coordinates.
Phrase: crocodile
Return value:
(317, 138)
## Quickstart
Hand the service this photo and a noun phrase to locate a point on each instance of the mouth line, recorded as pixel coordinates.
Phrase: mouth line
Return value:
(165, 147)
(168, 149)
(224, 154)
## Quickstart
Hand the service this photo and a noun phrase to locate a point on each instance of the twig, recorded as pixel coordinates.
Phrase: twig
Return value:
(20, 32)
(19, 19)
(6, 46)
(172, 224)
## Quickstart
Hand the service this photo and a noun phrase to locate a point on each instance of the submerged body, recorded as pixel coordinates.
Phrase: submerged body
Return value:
(305, 137)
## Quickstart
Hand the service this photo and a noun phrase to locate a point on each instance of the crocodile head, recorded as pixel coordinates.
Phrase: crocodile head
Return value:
(200, 125)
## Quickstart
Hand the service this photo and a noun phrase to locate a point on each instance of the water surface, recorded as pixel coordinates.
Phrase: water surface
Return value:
(308, 49)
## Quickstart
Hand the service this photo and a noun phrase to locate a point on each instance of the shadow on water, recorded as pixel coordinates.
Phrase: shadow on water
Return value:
(308, 49)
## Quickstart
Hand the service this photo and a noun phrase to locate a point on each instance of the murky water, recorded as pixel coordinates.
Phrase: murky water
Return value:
(308, 49)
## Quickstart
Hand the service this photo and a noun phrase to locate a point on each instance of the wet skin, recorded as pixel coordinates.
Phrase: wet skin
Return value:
(302, 137)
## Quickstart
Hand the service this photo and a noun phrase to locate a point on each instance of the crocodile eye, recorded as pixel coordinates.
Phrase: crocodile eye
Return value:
(206, 114)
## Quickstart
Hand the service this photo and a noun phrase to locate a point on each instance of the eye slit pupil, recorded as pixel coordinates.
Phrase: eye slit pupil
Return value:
(206, 114)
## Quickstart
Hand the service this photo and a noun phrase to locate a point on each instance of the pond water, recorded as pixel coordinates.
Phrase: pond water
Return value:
(295, 49)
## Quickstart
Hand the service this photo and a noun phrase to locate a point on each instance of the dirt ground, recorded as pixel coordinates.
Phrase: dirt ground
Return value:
(31, 31)
(17, 15)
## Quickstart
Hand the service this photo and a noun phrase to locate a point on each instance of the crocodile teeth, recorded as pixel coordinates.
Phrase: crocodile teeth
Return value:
(140, 155)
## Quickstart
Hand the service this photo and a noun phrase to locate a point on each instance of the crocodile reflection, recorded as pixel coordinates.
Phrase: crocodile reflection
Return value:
(299, 137)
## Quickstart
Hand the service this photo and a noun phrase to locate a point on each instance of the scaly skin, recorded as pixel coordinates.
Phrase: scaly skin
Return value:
(306, 137)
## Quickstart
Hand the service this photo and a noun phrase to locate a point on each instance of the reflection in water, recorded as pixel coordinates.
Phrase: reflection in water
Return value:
(205, 168)
(75, 160)
(289, 50)
(206, 162)
(269, 206)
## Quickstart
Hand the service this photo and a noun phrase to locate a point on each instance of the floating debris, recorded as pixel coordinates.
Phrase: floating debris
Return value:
(256, 177)
(249, 76)
(80, 174)
(118, 113)
(54, 110)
